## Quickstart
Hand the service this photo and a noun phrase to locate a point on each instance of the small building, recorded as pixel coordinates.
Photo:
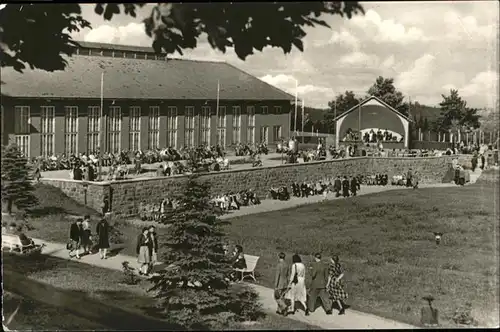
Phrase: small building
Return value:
(149, 101)
(374, 114)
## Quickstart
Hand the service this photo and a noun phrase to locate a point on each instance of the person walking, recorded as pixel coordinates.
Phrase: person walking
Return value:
(75, 238)
(143, 248)
(474, 162)
(409, 176)
(102, 231)
(86, 235)
(319, 279)
(281, 284)
(354, 185)
(337, 185)
(345, 187)
(297, 286)
(153, 248)
(334, 285)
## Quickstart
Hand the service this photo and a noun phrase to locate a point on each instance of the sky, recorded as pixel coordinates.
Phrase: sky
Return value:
(427, 47)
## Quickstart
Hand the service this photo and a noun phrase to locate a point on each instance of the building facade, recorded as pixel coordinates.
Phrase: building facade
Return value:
(147, 103)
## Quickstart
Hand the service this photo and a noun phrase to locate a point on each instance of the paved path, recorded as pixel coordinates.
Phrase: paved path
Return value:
(351, 320)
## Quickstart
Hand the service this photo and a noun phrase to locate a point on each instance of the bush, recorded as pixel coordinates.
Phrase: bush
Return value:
(463, 315)
(130, 277)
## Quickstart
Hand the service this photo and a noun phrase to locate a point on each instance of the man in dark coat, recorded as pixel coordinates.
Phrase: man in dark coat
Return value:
(102, 231)
(281, 284)
(483, 161)
(409, 176)
(345, 187)
(319, 279)
(354, 185)
(474, 162)
(75, 236)
(337, 186)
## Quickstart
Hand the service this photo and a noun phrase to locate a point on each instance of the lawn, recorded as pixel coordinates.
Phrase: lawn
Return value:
(93, 288)
(384, 240)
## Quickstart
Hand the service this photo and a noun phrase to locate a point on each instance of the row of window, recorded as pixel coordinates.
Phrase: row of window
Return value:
(47, 127)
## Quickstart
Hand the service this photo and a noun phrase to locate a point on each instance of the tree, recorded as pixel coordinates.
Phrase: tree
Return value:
(28, 30)
(384, 89)
(194, 291)
(341, 104)
(17, 189)
(455, 113)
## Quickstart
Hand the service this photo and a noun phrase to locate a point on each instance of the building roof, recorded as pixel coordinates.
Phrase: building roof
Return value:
(378, 100)
(126, 78)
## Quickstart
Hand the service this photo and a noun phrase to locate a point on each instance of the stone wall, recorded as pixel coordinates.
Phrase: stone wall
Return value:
(126, 196)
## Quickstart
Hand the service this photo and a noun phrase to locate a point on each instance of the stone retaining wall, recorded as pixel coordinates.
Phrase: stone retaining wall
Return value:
(125, 196)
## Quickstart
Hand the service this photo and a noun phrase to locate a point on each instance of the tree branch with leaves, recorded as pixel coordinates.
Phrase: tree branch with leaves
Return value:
(39, 35)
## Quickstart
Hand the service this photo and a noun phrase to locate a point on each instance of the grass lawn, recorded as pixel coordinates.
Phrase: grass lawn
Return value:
(386, 244)
(385, 241)
(102, 285)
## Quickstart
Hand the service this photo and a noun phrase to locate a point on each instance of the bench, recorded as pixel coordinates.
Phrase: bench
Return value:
(249, 272)
(13, 241)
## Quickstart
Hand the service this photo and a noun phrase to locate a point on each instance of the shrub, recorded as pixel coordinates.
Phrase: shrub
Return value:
(130, 277)
(463, 315)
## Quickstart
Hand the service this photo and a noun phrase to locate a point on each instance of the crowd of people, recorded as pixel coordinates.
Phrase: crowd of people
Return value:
(224, 202)
(83, 242)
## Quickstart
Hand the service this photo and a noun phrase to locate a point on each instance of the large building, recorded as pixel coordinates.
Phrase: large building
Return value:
(149, 102)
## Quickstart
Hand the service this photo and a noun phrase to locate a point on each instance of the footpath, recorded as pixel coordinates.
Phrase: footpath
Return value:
(351, 320)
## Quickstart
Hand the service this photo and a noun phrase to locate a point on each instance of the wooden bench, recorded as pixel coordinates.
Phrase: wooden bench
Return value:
(249, 272)
(13, 241)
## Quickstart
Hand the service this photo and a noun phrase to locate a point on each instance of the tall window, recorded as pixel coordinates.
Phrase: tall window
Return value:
(71, 129)
(236, 124)
(93, 128)
(189, 125)
(47, 117)
(135, 128)
(22, 128)
(264, 109)
(264, 131)
(221, 126)
(115, 128)
(251, 125)
(205, 125)
(172, 126)
(154, 127)
(276, 133)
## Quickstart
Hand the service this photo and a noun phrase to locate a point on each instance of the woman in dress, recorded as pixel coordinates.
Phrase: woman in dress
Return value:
(153, 249)
(86, 235)
(297, 285)
(102, 231)
(334, 285)
(144, 245)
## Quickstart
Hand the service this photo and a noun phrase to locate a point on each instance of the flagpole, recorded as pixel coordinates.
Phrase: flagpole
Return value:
(296, 97)
(303, 120)
(100, 131)
(217, 114)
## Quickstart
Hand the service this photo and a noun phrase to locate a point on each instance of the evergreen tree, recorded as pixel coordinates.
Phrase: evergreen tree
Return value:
(17, 188)
(195, 291)
(426, 125)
